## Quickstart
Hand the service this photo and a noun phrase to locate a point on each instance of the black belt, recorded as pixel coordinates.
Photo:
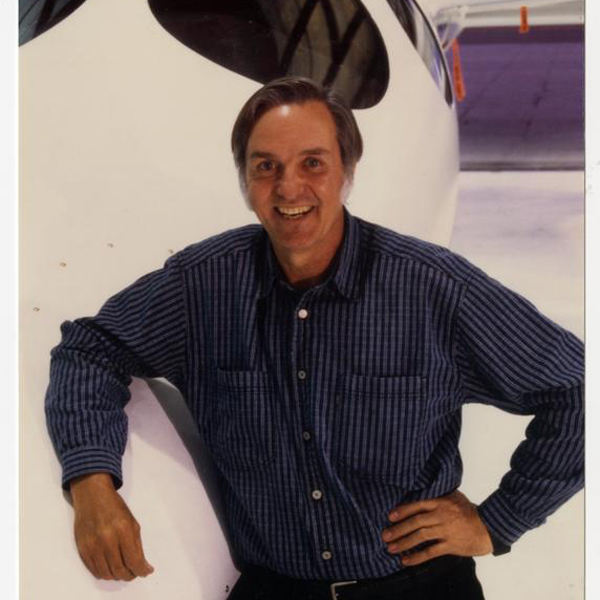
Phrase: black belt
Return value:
(408, 578)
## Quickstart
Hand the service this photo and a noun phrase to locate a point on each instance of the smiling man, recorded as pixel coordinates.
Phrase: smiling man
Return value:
(326, 360)
(295, 182)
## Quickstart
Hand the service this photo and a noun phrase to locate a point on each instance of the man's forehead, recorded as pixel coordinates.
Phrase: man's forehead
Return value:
(308, 126)
(283, 110)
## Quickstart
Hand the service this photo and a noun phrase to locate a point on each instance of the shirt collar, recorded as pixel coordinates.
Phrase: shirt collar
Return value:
(345, 275)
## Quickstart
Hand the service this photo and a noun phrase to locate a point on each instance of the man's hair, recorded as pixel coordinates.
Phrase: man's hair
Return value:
(296, 90)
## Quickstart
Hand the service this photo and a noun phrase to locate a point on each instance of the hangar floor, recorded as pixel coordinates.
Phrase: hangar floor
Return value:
(526, 229)
(524, 98)
(521, 203)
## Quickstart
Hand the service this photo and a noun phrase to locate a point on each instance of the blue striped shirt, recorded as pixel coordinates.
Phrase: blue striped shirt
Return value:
(327, 407)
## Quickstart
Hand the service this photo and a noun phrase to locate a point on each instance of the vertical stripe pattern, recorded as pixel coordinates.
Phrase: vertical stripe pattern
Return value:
(327, 407)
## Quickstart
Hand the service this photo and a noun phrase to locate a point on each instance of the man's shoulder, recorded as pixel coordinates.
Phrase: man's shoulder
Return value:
(240, 240)
(402, 247)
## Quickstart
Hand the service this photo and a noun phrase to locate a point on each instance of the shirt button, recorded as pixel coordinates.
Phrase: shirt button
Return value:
(302, 313)
(306, 436)
(317, 494)
(301, 374)
(326, 555)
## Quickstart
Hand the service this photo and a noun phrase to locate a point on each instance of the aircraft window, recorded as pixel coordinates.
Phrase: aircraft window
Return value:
(37, 16)
(420, 33)
(332, 41)
(404, 15)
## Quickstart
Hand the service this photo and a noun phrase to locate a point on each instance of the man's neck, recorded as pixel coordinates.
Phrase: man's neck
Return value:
(305, 270)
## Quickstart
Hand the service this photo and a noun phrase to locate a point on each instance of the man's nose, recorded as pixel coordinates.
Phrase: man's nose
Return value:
(290, 185)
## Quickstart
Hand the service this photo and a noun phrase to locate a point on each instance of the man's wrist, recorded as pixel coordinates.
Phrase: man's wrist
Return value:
(90, 483)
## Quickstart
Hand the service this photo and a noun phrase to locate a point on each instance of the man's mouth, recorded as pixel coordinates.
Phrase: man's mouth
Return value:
(293, 212)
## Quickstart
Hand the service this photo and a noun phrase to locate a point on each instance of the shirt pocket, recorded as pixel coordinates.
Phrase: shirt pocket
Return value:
(379, 427)
(240, 432)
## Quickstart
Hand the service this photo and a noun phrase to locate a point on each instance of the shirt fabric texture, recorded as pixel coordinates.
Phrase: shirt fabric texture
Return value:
(326, 408)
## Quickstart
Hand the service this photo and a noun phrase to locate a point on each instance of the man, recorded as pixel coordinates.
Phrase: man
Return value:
(326, 361)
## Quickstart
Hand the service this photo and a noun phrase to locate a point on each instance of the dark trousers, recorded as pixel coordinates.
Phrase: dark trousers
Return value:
(456, 582)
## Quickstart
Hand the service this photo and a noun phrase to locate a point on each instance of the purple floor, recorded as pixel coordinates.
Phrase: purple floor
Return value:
(524, 102)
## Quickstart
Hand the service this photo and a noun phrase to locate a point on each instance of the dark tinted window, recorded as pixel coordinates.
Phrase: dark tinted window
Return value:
(420, 33)
(37, 16)
(404, 15)
(332, 41)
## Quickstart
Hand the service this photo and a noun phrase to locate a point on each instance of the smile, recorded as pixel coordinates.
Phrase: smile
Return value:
(294, 212)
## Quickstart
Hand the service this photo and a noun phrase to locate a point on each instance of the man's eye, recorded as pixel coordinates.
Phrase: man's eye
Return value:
(312, 162)
(265, 166)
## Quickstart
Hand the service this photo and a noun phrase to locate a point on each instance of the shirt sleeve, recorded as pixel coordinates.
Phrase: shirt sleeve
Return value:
(513, 357)
(139, 332)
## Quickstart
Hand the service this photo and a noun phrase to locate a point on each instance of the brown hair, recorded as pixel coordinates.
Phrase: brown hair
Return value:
(296, 90)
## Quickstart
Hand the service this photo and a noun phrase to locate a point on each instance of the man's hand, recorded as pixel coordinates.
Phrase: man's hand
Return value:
(452, 522)
(107, 535)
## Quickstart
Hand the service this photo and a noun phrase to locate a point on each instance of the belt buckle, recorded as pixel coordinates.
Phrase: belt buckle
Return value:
(338, 584)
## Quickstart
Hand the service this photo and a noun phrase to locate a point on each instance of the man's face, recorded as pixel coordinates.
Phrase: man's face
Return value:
(295, 178)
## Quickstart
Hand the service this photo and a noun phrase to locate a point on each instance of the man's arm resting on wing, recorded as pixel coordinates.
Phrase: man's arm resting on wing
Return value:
(138, 332)
(107, 535)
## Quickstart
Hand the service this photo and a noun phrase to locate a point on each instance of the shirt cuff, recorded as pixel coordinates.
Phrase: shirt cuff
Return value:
(499, 547)
(83, 461)
(503, 524)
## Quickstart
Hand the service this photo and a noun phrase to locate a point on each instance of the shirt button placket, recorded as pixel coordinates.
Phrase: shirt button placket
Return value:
(315, 494)
(302, 314)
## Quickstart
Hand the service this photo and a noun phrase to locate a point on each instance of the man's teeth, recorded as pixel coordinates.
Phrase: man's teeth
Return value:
(295, 211)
